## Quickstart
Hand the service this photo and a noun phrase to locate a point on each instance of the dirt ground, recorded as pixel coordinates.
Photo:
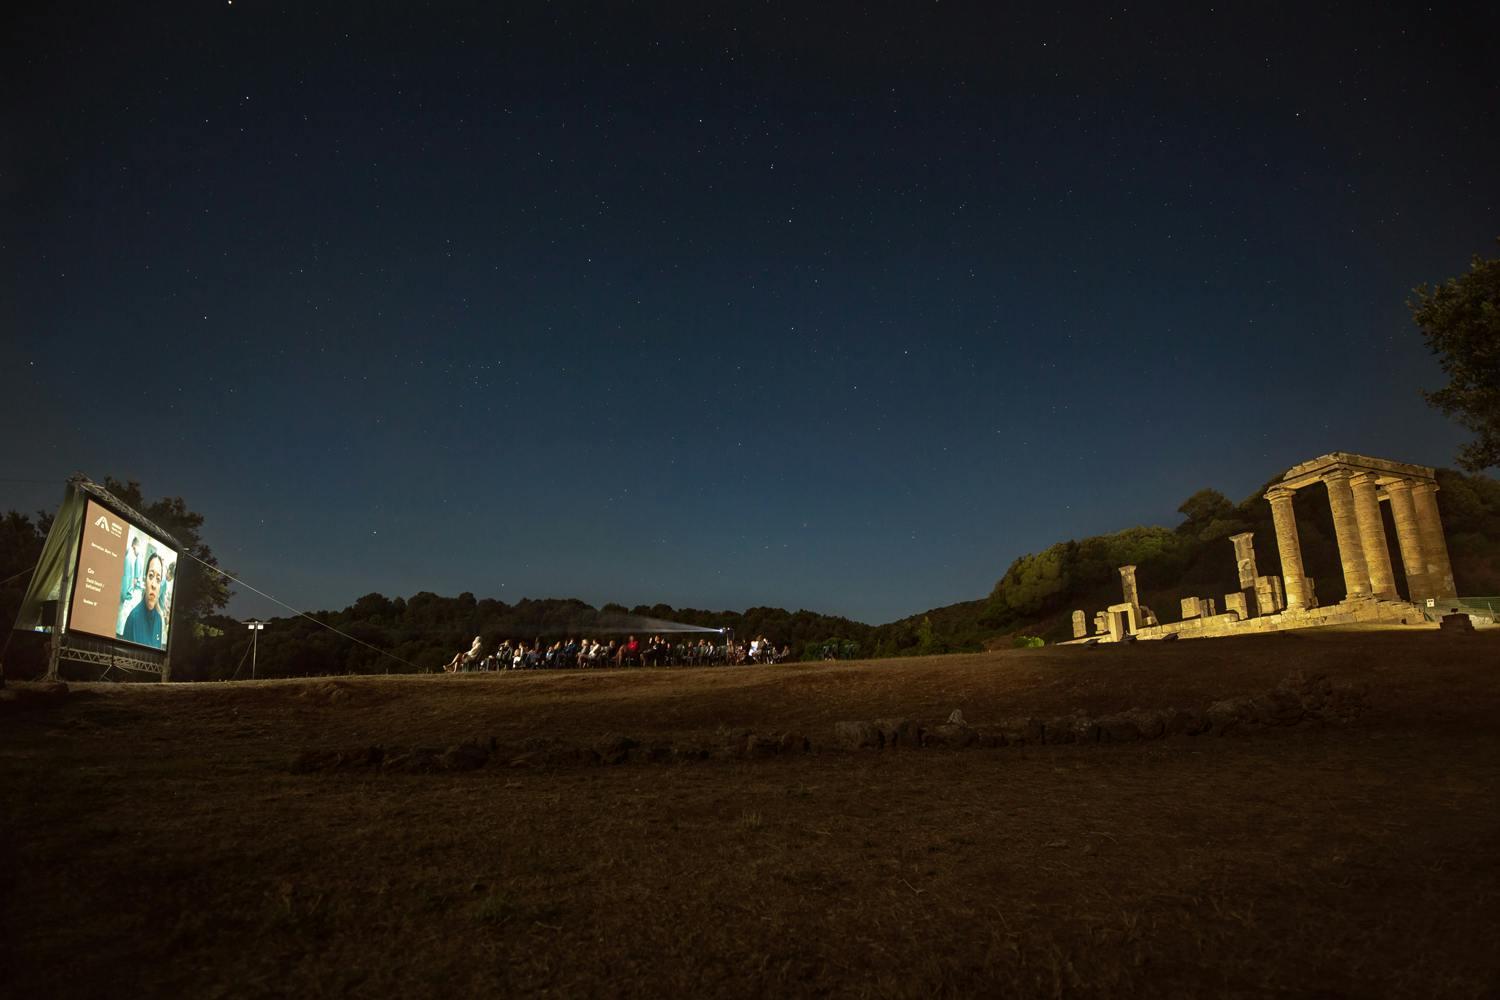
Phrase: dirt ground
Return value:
(156, 840)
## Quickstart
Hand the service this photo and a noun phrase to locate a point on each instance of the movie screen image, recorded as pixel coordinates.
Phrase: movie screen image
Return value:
(125, 582)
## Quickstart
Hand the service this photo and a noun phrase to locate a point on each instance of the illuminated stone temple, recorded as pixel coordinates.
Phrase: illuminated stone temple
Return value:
(1357, 486)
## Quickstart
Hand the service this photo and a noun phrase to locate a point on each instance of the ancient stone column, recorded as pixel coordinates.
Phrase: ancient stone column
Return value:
(1434, 547)
(1372, 536)
(1244, 558)
(1127, 584)
(1346, 531)
(1080, 625)
(1287, 545)
(1404, 513)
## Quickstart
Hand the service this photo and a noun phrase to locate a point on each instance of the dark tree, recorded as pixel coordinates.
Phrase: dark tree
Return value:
(20, 547)
(1461, 321)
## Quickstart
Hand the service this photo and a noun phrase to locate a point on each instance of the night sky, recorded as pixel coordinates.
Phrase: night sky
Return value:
(719, 304)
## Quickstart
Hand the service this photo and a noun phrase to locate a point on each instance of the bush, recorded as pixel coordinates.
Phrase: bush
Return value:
(1028, 642)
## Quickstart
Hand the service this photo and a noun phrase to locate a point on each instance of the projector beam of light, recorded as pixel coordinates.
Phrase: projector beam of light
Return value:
(640, 623)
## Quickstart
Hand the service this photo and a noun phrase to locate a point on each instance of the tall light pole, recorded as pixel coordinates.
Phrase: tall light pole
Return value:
(255, 627)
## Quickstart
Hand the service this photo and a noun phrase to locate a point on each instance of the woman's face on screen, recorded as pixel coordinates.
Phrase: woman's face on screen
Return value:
(153, 582)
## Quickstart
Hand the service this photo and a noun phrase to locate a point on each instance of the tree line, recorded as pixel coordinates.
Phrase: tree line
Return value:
(1035, 596)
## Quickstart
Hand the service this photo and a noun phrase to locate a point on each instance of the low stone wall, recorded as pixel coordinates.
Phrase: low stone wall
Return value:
(611, 749)
(1343, 613)
(1296, 701)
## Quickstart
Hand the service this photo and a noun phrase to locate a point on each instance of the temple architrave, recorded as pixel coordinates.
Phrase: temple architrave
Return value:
(1356, 486)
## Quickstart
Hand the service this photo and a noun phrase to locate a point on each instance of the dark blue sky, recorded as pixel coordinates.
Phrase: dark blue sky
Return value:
(720, 304)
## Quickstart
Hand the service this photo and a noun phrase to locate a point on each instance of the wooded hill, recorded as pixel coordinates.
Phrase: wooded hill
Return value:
(1039, 591)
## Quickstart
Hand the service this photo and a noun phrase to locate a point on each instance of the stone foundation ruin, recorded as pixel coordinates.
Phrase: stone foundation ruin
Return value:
(1356, 485)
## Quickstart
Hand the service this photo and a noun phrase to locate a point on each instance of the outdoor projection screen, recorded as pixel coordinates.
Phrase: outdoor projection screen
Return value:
(123, 587)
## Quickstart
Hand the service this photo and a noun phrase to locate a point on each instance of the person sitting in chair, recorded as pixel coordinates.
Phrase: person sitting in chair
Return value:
(462, 660)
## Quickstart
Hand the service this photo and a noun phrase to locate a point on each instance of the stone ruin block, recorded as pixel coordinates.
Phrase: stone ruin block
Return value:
(1128, 586)
(1456, 622)
(1101, 622)
(1210, 607)
(1270, 599)
(1122, 619)
(1148, 617)
(1237, 604)
(1192, 607)
(1080, 625)
(1244, 558)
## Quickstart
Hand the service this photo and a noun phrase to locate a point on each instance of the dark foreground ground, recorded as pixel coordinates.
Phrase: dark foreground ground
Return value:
(154, 841)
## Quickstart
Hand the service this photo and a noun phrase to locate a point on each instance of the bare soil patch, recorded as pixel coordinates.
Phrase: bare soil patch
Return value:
(156, 841)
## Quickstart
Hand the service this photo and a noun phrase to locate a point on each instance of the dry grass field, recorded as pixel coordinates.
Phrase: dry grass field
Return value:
(158, 841)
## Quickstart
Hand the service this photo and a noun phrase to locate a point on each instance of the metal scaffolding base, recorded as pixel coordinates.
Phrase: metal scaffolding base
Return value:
(111, 656)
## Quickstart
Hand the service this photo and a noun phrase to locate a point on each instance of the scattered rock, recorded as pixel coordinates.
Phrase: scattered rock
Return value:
(1186, 722)
(328, 693)
(362, 757)
(423, 760)
(1014, 731)
(858, 735)
(1075, 728)
(989, 736)
(464, 757)
(1151, 722)
(1346, 703)
(1279, 707)
(899, 732)
(1457, 623)
(651, 753)
(733, 742)
(1319, 698)
(793, 743)
(587, 757)
(1228, 714)
(953, 735)
(1119, 729)
(760, 747)
(1059, 730)
(614, 748)
(956, 718)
